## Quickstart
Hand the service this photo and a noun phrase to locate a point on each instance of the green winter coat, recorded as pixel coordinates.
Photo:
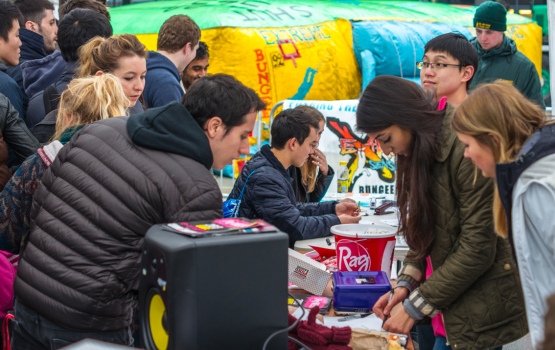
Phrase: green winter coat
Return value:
(475, 282)
(507, 63)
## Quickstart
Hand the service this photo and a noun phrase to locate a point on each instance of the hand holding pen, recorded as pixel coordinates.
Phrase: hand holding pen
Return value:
(357, 210)
(385, 304)
(386, 316)
(346, 212)
(390, 309)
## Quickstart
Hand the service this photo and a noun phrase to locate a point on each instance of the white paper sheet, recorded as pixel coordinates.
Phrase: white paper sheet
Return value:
(391, 222)
(368, 322)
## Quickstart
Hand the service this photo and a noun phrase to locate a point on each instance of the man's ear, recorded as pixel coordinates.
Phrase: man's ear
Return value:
(187, 48)
(32, 26)
(213, 126)
(468, 73)
(292, 143)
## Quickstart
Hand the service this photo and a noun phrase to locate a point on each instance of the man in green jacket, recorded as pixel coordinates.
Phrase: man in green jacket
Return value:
(498, 57)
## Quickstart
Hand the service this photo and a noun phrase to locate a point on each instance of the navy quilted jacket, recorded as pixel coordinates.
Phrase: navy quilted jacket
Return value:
(269, 195)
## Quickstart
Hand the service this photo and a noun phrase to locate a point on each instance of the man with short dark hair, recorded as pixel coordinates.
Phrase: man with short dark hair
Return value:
(38, 19)
(68, 5)
(198, 67)
(448, 67)
(38, 33)
(498, 56)
(62, 2)
(112, 182)
(10, 45)
(76, 28)
(40, 73)
(13, 133)
(268, 193)
(177, 45)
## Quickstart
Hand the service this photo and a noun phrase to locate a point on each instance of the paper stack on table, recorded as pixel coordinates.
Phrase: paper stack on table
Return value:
(369, 322)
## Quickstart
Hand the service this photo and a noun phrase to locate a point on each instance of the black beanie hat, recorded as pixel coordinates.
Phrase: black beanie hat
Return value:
(491, 15)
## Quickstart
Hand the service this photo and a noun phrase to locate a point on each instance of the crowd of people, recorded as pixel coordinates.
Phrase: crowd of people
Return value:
(101, 139)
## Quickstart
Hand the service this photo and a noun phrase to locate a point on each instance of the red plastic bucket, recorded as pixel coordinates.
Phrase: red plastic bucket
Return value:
(361, 247)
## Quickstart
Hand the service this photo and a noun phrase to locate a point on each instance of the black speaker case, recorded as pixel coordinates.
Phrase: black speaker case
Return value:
(227, 292)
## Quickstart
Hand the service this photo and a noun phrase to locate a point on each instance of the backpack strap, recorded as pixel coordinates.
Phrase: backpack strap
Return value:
(50, 98)
(245, 185)
(6, 331)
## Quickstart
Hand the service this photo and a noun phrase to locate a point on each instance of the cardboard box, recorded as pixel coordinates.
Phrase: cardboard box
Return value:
(307, 274)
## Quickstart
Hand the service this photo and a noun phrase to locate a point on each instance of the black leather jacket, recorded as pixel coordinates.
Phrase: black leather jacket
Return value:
(15, 136)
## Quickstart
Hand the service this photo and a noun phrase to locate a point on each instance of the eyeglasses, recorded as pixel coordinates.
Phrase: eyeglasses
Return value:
(426, 65)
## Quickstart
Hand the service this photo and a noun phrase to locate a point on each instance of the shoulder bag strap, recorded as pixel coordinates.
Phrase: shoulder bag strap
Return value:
(245, 185)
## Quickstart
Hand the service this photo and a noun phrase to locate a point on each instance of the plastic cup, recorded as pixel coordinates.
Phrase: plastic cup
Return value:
(360, 247)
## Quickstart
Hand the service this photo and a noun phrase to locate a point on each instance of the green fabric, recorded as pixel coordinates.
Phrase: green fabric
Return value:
(475, 280)
(491, 15)
(68, 133)
(507, 63)
(284, 13)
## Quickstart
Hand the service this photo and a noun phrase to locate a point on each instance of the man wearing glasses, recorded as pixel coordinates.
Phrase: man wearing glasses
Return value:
(498, 55)
(448, 66)
(265, 184)
(446, 70)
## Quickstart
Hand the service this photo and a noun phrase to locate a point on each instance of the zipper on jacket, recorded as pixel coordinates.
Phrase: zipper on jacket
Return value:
(444, 327)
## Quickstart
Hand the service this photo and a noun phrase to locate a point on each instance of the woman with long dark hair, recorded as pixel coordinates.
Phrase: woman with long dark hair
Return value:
(458, 272)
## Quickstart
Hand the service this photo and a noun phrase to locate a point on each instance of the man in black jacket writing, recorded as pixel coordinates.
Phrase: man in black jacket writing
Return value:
(269, 194)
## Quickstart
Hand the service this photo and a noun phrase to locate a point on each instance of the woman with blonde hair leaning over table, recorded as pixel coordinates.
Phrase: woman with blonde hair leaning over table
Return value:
(508, 138)
(458, 271)
(84, 101)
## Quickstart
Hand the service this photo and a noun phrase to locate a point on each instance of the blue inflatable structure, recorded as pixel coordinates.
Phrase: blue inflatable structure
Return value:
(394, 47)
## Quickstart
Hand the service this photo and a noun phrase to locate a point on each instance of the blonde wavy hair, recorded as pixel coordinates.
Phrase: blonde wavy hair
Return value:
(89, 99)
(309, 170)
(103, 54)
(500, 118)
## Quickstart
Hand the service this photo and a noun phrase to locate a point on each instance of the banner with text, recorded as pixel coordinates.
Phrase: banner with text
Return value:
(370, 170)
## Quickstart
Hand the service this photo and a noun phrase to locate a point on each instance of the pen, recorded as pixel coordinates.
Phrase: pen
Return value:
(385, 317)
(352, 317)
(358, 207)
